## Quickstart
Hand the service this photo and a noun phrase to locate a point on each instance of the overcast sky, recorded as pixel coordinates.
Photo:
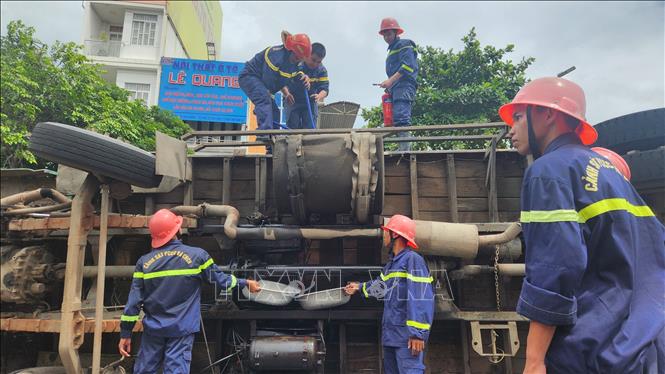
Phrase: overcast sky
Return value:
(617, 47)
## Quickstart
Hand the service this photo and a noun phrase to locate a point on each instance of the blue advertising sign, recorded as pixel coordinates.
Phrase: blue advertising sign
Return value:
(200, 90)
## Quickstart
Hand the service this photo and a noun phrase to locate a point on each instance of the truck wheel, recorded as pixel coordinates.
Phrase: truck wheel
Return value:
(647, 168)
(94, 153)
(636, 131)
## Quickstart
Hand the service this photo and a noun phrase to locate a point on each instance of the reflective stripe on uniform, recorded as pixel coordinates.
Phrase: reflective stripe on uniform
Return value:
(418, 325)
(561, 215)
(588, 212)
(407, 68)
(125, 318)
(365, 290)
(275, 68)
(608, 205)
(175, 272)
(403, 274)
(234, 281)
(321, 79)
(398, 50)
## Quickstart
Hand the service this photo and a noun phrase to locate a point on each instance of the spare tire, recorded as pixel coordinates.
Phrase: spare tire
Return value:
(647, 168)
(94, 153)
(636, 131)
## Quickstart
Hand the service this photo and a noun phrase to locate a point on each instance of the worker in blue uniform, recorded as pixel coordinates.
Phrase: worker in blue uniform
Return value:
(167, 286)
(595, 253)
(269, 71)
(405, 285)
(402, 71)
(297, 111)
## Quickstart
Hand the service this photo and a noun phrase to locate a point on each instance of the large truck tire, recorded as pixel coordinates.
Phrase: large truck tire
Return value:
(636, 131)
(647, 168)
(94, 153)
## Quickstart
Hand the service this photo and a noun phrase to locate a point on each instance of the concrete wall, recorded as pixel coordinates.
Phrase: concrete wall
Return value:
(191, 29)
(136, 76)
(172, 46)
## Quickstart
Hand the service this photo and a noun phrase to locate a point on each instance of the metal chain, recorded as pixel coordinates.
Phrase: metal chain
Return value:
(496, 278)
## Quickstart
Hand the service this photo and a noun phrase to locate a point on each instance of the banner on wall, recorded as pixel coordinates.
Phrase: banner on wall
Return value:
(201, 90)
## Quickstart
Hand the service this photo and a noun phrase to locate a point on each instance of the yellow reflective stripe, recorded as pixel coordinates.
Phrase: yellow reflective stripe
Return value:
(207, 264)
(365, 290)
(403, 274)
(418, 325)
(275, 68)
(234, 281)
(125, 318)
(398, 50)
(407, 68)
(608, 205)
(321, 79)
(176, 272)
(138, 274)
(172, 273)
(561, 215)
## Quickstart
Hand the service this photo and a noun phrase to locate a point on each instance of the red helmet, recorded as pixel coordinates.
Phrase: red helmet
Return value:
(404, 227)
(556, 93)
(299, 44)
(163, 226)
(389, 23)
(617, 161)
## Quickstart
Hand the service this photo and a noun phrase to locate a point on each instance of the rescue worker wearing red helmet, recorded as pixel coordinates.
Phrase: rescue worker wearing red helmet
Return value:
(617, 161)
(167, 286)
(402, 71)
(271, 70)
(594, 288)
(405, 286)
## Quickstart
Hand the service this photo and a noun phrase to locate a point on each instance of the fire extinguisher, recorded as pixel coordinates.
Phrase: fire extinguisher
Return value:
(387, 106)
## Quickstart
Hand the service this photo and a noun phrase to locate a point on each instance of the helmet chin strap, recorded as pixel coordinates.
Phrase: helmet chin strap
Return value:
(533, 144)
(391, 245)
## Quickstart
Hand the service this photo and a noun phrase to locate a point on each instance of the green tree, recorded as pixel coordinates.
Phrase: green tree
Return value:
(461, 87)
(60, 84)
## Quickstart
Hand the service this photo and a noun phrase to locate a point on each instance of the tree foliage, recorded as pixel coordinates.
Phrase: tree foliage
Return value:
(58, 83)
(461, 87)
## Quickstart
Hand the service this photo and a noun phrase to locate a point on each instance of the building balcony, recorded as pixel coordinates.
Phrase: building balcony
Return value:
(108, 48)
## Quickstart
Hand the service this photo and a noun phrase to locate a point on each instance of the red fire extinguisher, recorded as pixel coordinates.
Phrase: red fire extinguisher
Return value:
(387, 106)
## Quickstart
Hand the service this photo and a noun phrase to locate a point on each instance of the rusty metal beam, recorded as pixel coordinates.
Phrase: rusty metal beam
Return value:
(499, 125)
(101, 266)
(73, 321)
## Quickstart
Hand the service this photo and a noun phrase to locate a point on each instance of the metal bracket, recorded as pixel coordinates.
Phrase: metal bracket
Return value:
(495, 354)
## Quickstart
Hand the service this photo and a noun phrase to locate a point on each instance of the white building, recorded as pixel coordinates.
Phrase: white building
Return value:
(129, 38)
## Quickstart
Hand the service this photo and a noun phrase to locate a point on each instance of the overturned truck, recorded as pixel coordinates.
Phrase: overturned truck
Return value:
(304, 220)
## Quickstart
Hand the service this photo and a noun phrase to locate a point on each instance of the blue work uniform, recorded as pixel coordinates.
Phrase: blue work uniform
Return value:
(595, 263)
(167, 286)
(403, 58)
(405, 285)
(268, 72)
(298, 114)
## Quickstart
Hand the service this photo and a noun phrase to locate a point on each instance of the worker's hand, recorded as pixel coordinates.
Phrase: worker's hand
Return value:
(253, 286)
(305, 80)
(387, 83)
(352, 288)
(318, 97)
(125, 346)
(532, 367)
(289, 99)
(416, 346)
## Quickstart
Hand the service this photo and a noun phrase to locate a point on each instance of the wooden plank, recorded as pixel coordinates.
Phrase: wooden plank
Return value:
(413, 167)
(430, 166)
(115, 221)
(257, 187)
(226, 181)
(469, 217)
(452, 187)
(53, 325)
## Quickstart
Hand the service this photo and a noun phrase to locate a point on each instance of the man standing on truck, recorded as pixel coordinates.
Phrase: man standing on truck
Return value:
(595, 253)
(402, 71)
(405, 285)
(298, 113)
(167, 286)
(271, 70)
